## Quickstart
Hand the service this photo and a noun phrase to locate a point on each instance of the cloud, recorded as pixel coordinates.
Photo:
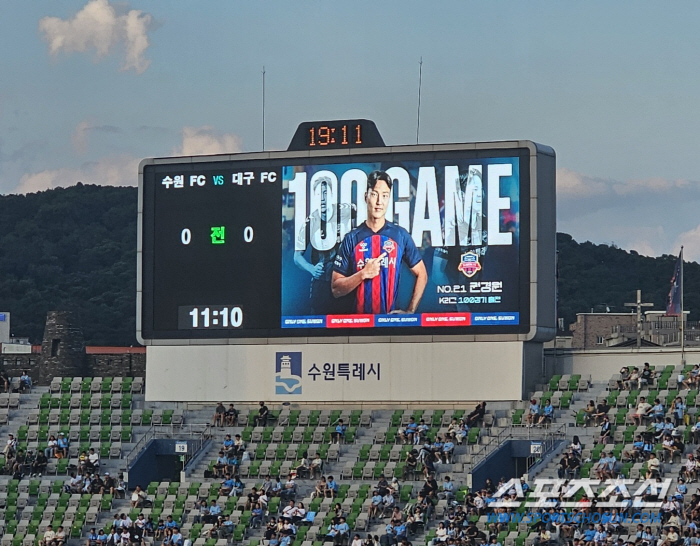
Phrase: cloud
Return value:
(108, 171)
(206, 140)
(122, 170)
(571, 184)
(690, 241)
(80, 134)
(99, 27)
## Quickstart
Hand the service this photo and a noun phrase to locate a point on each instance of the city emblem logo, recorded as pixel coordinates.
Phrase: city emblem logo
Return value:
(469, 264)
(288, 373)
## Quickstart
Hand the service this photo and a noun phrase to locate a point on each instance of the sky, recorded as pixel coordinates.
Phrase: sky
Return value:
(89, 88)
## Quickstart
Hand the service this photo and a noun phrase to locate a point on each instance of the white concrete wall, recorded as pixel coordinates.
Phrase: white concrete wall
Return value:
(409, 372)
(601, 364)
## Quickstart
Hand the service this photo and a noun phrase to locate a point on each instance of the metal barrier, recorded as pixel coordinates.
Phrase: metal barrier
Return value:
(198, 433)
(548, 435)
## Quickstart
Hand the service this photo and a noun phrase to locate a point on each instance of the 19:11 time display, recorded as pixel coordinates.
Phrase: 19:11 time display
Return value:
(344, 135)
(210, 317)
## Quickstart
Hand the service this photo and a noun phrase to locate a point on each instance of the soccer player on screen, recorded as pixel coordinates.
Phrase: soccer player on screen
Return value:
(369, 259)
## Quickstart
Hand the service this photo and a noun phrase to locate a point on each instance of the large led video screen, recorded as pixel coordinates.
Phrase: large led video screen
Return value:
(380, 243)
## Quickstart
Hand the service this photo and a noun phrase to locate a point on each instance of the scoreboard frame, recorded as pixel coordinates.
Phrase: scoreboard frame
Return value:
(541, 246)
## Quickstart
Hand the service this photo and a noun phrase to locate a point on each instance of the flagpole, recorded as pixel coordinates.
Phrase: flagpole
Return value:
(682, 316)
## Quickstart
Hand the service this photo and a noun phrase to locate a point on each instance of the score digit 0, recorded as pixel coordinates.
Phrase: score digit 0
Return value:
(248, 234)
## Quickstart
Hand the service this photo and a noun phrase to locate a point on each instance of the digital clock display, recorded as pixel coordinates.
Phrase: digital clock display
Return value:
(322, 135)
(210, 317)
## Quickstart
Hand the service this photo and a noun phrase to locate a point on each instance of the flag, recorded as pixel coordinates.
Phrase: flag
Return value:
(673, 302)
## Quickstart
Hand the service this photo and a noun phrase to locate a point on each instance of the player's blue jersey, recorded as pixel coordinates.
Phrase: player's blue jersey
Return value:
(377, 295)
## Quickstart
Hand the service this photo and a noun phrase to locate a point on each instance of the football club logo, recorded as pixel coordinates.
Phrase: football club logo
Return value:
(470, 264)
(389, 246)
(288, 373)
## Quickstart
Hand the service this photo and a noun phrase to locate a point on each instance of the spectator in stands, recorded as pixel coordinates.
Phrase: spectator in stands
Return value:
(605, 431)
(690, 468)
(316, 467)
(695, 431)
(476, 416)
(25, 383)
(332, 487)
(632, 382)
(575, 448)
(50, 450)
(231, 416)
(448, 490)
(428, 464)
(303, 469)
(253, 497)
(642, 411)
(573, 468)
(4, 381)
(653, 465)
(62, 446)
(691, 380)
(462, 433)
(533, 413)
(177, 538)
(219, 415)
(110, 484)
(601, 412)
(320, 488)
(17, 464)
(339, 433)
(290, 488)
(678, 409)
(436, 448)
(340, 532)
(101, 538)
(38, 466)
(227, 446)
(421, 434)
(453, 427)
(92, 537)
(60, 538)
(547, 414)
(257, 514)
(647, 376)
(624, 376)
(448, 449)
(374, 506)
(277, 488)
(238, 446)
(49, 537)
(262, 416)
(411, 463)
(563, 466)
(93, 460)
(407, 434)
(138, 497)
(636, 452)
(668, 448)
(10, 447)
(589, 413)
(220, 465)
(658, 409)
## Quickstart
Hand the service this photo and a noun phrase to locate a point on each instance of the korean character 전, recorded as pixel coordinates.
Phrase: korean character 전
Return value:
(314, 372)
(329, 371)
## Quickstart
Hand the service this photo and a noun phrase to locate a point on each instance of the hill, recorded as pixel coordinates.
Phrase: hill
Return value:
(75, 249)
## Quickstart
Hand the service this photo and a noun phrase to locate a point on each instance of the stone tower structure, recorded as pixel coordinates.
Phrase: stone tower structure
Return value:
(62, 349)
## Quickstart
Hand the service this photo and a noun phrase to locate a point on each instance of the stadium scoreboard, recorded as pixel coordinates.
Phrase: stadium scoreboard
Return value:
(342, 236)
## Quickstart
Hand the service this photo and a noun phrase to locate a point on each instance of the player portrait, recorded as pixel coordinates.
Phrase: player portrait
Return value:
(368, 263)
